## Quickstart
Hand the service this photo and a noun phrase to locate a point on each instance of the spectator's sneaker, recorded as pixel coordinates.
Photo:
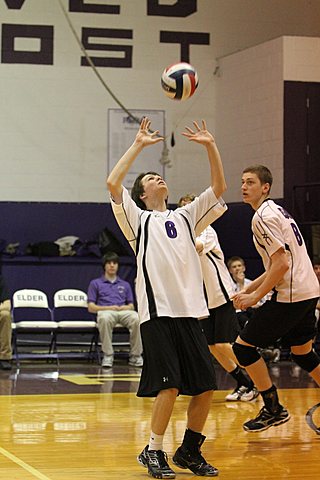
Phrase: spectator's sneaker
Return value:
(265, 420)
(136, 361)
(236, 395)
(195, 462)
(156, 463)
(5, 365)
(250, 395)
(107, 361)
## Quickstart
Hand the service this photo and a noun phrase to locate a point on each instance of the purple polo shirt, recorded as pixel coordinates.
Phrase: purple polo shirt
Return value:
(103, 292)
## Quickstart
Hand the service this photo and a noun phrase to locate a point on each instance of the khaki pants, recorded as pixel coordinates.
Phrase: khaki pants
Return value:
(5, 335)
(108, 319)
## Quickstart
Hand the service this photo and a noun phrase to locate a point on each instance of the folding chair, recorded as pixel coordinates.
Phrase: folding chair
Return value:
(32, 316)
(71, 314)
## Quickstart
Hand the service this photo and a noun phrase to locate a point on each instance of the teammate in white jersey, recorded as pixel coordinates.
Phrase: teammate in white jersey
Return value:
(221, 328)
(290, 314)
(170, 297)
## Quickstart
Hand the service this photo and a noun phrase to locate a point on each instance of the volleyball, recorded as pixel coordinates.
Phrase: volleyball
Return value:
(179, 81)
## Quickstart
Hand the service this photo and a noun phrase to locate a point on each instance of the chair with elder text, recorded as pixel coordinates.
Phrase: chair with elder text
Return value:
(32, 317)
(73, 319)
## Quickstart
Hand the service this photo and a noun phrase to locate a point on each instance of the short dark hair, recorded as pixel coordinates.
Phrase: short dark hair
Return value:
(138, 190)
(262, 172)
(235, 259)
(109, 257)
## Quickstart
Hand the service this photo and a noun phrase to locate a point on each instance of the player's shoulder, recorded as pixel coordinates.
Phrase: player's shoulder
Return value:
(184, 211)
(267, 210)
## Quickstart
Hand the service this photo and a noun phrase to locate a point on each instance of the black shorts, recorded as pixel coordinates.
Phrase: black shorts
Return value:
(176, 355)
(222, 326)
(293, 323)
(244, 316)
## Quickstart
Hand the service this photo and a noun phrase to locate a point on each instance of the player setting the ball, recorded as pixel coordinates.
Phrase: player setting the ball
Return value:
(170, 297)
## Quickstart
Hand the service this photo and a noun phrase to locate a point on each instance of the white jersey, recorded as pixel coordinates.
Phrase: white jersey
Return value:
(169, 279)
(274, 228)
(216, 276)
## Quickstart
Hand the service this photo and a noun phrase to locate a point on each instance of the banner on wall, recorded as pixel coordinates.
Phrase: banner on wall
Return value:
(122, 130)
(55, 115)
(33, 43)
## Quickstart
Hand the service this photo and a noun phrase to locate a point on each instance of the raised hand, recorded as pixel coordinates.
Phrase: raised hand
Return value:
(199, 135)
(146, 137)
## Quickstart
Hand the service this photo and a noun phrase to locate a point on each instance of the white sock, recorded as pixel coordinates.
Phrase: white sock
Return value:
(156, 442)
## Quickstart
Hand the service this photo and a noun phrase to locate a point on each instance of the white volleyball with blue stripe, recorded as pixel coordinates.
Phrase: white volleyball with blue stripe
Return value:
(179, 81)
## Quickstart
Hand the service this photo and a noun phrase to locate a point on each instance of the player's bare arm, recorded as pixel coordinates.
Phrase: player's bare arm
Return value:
(252, 286)
(205, 138)
(144, 138)
(278, 267)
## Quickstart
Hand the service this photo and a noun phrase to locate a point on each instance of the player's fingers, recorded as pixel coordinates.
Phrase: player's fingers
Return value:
(156, 139)
(186, 135)
(143, 123)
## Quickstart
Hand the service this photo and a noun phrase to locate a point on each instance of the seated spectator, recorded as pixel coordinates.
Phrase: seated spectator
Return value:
(111, 298)
(5, 327)
(237, 268)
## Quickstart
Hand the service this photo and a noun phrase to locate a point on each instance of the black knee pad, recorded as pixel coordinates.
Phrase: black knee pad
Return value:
(308, 361)
(245, 355)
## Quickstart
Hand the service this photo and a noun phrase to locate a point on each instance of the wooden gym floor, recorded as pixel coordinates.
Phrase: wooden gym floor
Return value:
(79, 421)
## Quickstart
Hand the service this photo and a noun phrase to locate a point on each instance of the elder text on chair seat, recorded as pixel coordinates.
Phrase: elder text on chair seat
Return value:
(71, 314)
(31, 315)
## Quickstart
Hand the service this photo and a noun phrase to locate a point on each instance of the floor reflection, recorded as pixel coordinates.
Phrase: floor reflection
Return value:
(81, 421)
(43, 378)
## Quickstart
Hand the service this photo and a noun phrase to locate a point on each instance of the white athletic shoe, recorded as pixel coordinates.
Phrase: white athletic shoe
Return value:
(136, 361)
(243, 394)
(107, 361)
(250, 395)
(235, 396)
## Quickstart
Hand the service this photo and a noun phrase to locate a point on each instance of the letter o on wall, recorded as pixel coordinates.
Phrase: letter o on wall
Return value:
(44, 56)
